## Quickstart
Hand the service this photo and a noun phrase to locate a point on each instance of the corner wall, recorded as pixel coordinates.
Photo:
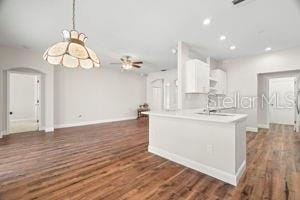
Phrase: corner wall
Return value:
(242, 74)
(97, 95)
(11, 58)
(263, 89)
(75, 96)
(169, 77)
(188, 101)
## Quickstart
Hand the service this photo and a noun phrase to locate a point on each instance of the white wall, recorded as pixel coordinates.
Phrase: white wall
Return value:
(22, 96)
(242, 73)
(91, 96)
(216, 149)
(97, 95)
(188, 101)
(169, 77)
(10, 59)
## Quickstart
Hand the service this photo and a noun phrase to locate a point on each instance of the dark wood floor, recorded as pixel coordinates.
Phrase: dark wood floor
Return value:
(110, 161)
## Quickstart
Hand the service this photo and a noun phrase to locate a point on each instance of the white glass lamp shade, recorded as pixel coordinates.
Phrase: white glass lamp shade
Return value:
(72, 52)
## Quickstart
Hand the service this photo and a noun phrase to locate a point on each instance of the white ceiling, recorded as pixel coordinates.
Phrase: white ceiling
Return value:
(148, 30)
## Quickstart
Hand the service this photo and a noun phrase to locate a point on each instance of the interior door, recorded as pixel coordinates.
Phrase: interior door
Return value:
(23, 106)
(297, 103)
(281, 97)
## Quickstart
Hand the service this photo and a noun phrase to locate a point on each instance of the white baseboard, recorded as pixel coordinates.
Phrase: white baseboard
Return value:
(51, 129)
(263, 126)
(241, 171)
(48, 129)
(23, 120)
(93, 122)
(2, 133)
(232, 179)
(252, 129)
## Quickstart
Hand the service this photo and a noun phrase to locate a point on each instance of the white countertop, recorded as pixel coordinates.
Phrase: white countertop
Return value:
(192, 114)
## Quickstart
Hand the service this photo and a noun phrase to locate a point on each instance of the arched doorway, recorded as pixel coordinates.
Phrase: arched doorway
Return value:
(157, 87)
(40, 97)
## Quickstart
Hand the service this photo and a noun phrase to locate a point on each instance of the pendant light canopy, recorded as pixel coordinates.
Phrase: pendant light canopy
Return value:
(72, 52)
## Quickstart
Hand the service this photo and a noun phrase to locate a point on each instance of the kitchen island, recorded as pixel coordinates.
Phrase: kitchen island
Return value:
(213, 144)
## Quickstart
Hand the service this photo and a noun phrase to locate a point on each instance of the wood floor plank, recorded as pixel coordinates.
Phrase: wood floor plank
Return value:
(110, 161)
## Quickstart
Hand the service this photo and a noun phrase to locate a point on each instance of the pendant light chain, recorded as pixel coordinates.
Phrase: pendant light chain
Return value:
(73, 18)
(72, 51)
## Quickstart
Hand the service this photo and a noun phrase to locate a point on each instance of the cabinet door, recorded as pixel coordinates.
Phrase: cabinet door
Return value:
(196, 77)
(202, 77)
(221, 77)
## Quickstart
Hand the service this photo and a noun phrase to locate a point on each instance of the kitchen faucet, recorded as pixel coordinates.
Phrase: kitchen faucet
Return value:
(210, 100)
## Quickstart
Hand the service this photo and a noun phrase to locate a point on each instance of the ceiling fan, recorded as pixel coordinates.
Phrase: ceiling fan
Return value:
(127, 63)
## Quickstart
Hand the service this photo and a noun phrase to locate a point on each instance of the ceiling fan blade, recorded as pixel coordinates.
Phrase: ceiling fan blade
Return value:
(137, 62)
(137, 66)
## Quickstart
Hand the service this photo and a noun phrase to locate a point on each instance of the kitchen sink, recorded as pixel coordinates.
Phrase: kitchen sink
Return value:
(215, 114)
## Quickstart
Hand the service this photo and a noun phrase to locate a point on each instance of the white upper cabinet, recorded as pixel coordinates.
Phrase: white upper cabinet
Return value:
(196, 77)
(221, 81)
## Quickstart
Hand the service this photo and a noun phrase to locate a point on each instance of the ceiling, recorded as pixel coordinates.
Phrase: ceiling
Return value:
(148, 30)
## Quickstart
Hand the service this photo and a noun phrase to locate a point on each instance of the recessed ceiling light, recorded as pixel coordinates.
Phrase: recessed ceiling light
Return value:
(232, 47)
(206, 21)
(268, 49)
(222, 37)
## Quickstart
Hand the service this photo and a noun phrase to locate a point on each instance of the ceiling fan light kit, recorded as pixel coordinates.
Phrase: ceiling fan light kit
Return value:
(72, 52)
(128, 64)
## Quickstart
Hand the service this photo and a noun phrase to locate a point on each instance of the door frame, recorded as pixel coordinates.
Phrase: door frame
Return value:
(39, 92)
(268, 108)
(162, 90)
(297, 92)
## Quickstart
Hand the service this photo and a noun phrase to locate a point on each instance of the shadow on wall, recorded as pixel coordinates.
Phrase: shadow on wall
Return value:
(296, 1)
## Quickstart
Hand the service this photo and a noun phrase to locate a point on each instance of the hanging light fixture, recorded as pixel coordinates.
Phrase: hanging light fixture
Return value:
(72, 52)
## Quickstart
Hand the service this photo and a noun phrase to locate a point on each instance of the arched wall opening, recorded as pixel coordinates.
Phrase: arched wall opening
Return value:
(5, 73)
